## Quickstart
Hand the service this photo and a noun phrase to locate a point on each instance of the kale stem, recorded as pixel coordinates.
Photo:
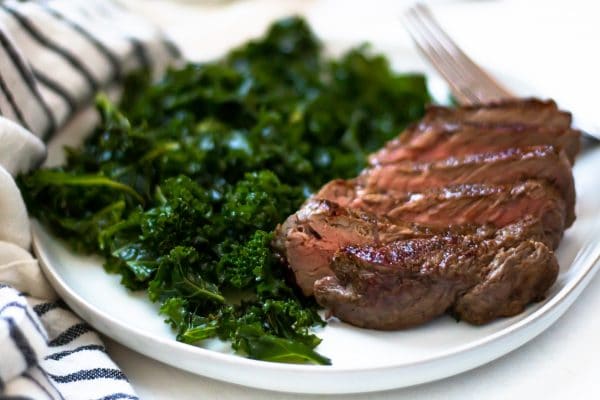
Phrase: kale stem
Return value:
(159, 150)
(57, 178)
(203, 292)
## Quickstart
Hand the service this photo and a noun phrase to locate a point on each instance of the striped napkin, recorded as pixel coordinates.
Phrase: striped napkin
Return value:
(54, 56)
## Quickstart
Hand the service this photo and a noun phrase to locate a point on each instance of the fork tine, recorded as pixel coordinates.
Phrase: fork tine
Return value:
(462, 82)
(448, 56)
(441, 61)
(438, 61)
(469, 82)
(481, 75)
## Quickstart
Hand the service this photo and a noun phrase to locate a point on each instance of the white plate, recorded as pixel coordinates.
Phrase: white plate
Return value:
(363, 360)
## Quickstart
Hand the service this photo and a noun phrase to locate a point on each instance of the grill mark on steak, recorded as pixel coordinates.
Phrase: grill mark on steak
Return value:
(406, 283)
(498, 205)
(465, 204)
(507, 166)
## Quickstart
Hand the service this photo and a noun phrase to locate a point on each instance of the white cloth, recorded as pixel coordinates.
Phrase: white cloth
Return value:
(54, 56)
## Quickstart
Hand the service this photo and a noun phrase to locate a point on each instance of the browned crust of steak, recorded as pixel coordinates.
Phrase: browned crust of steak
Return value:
(307, 240)
(506, 166)
(383, 288)
(570, 142)
(409, 282)
(517, 276)
(441, 140)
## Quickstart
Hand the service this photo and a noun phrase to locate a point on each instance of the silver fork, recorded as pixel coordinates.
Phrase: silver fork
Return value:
(469, 83)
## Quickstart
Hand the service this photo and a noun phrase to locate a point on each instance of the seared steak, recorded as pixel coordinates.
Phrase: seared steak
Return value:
(340, 191)
(440, 140)
(459, 214)
(410, 282)
(467, 204)
(516, 276)
(507, 166)
(520, 117)
(498, 205)
(307, 240)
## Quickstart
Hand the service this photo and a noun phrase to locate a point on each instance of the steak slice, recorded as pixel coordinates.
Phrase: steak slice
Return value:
(516, 277)
(459, 215)
(499, 205)
(409, 282)
(440, 140)
(528, 112)
(516, 115)
(340, 191)
(467, 204)
(507, 166)
(307, 240)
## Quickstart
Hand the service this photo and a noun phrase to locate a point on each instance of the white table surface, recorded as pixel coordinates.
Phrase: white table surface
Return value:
(538, 42)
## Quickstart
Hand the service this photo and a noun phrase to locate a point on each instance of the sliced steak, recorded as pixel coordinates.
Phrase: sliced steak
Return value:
(499, 205)
(340, 191)
(459, 214)
(467, 204)
(409, 282)
(519, 116)
(441, 140)
(516, 276)
(307, 240)
(507, 166)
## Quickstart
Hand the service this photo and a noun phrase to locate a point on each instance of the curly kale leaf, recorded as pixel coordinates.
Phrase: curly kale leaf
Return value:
(252, 340)
(179, 275)
(274, 331)
(183, 217)
(259, 201)
(77, 206)
(246, 264)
